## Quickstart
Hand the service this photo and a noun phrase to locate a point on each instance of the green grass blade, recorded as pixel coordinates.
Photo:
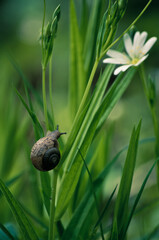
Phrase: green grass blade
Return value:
(77, 73)
(27, 84)
(94, 194)
(46, 189)
(102, 214)
(25, 81)
(37, 127)
(113, 95)
(114, 233)
(84, 20)
(37, 220)
(24, 224)
(12, 181)
(91, 35)
(105, 208)
(137, 199)
(121, 206)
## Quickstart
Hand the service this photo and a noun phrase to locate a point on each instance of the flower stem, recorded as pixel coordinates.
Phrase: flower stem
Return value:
(152, 107)
(52, 206)
(86, 93)
(50, 90)
(153, 114)
(44, 98)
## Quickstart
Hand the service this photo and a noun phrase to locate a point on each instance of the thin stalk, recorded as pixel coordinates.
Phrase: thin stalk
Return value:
(52, 206)
(87, 90)
(152, 108)
(153, 114)
(94, 194)
(50, 90)
(44, 98)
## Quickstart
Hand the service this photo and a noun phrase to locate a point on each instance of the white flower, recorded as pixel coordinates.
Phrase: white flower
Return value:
(136, 52)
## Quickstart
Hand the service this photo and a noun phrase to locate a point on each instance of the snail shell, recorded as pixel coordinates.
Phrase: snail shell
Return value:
(45, 153)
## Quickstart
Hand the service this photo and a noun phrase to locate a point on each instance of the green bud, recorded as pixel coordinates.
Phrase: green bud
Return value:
(57, 13)
(49, 36)
(122, 4)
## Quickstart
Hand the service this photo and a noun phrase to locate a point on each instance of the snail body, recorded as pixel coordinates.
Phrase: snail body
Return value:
(45, 154)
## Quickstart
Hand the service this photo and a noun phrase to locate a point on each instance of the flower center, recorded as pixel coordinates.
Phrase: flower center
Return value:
(134, 60)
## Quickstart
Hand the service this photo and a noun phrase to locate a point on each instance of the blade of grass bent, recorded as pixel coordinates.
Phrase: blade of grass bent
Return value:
(24, 224)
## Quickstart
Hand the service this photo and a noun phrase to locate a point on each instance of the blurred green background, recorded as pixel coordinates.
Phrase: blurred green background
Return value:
(19, 33)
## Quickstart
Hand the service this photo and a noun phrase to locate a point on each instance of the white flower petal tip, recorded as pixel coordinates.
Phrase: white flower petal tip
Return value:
(121, 69)
(136, 49)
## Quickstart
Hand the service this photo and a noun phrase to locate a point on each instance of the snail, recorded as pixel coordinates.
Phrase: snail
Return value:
(45, 154)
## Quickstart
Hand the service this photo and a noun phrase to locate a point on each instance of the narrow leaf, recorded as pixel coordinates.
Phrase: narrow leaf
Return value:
(121, 207)
(77, 72)
(13, 180)
(46, 189)
(137, 199)
(94, 194)
(24, 224)
(37, 127)
(91, 36)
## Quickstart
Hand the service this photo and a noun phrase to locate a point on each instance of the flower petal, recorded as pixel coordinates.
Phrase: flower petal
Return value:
(121, 69)
(116, 54)
(116, 61)
(143, 37)
(128, 45)
(149, 44)
(141, 60)
(136, 39)
(138, 43)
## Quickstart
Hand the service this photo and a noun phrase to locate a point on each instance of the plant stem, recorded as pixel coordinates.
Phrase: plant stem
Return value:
(86, 93)
(152, 107)
(153, 114)
(44, 98)
(50, 90)
(52, 206)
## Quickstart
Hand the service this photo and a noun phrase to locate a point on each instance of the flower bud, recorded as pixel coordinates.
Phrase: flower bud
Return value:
(49, 36)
